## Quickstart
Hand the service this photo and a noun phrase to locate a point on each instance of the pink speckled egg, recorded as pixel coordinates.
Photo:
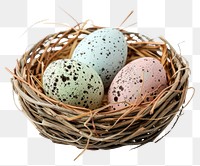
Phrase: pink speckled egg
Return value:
(139, 81)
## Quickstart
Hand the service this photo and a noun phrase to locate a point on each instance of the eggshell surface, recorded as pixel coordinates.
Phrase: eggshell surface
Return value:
(73, 83)
(139, 81)
(105, 50)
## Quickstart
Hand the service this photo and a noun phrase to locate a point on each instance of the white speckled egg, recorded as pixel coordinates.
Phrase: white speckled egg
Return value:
(139, 81)
(73, 83)
(105, 50)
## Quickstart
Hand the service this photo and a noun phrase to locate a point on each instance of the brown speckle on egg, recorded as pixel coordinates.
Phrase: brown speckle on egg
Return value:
(115, 98)
(75, 78)
(121, 88)
(118, 93)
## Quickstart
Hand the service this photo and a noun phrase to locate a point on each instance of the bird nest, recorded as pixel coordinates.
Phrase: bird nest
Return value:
(101, 128)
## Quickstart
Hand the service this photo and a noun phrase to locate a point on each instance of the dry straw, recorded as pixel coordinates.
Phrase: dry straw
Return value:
(101, 128)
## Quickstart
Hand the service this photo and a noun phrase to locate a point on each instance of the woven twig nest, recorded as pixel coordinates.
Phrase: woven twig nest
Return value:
(101, 128)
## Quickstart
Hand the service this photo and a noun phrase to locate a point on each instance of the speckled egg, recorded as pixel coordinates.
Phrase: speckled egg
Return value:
(73, 83)
(105, 50)
(139, 81)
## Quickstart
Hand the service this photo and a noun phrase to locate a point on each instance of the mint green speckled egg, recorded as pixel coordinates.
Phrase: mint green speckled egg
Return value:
(73, 83)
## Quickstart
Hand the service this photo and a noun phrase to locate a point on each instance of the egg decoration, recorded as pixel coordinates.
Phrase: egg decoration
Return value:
(73, 83)
(139, 81)
(105, 50)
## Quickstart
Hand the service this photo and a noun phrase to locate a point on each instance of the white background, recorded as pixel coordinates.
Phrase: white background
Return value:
(20, 142)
